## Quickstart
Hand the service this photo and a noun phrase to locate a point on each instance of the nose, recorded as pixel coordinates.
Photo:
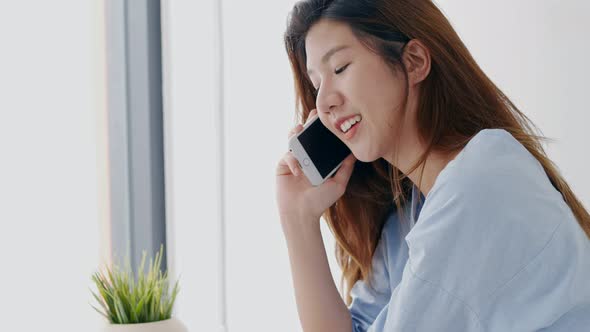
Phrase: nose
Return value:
(328, 99)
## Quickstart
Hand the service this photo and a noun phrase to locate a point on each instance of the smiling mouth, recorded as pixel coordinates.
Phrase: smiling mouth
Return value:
(352, 127)
(350, 123)
(351, 132)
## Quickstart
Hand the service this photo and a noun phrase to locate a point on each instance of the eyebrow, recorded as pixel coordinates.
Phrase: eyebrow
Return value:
(328, 54)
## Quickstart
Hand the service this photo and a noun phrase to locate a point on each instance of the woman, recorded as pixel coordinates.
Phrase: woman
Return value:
(453, 218)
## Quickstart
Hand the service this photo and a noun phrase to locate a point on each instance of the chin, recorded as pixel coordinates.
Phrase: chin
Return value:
(364, 157)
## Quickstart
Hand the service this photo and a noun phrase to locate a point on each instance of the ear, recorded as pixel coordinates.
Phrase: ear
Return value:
(416, 58)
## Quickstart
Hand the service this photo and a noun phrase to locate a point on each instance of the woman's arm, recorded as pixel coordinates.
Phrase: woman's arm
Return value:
(320, 307)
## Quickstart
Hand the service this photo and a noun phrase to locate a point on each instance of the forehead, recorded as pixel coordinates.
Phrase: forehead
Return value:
(325, 35)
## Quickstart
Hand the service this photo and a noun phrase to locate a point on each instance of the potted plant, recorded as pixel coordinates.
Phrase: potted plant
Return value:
(137, 304)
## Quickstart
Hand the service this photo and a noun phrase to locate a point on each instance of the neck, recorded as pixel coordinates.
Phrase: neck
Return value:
(430, 169)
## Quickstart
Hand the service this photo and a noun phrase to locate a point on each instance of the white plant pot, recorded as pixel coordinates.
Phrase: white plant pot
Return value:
(168, 325)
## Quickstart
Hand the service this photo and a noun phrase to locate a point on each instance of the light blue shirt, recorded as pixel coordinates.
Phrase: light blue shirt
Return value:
(494, 247)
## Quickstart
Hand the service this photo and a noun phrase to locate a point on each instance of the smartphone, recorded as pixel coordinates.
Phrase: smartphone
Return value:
(319, 152)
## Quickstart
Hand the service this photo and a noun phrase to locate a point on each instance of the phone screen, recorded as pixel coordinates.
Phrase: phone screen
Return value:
(324, 148)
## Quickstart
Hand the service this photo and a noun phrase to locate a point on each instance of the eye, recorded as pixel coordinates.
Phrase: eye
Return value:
(337, 71)
(340, 70)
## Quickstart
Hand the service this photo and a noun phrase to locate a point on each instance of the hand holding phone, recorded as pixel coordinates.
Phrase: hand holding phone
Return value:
(326, 163)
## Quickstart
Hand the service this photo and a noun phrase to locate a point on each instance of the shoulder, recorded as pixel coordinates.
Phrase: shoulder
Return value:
(490, 156)
(489, 213)
(493, 170)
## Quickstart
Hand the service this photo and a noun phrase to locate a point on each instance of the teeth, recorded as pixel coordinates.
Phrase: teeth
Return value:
(349, 123)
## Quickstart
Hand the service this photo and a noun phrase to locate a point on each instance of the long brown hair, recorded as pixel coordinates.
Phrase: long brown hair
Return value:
(456, 101)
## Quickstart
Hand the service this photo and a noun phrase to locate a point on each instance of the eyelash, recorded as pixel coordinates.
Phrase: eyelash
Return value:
(337, 71)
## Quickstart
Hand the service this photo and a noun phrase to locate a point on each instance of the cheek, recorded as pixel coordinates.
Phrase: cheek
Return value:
(363, 84)
(370, 87)
(326, 122)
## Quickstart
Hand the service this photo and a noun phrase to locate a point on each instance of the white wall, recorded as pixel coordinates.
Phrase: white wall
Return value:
(51, 172)
(533, 50)
(537, 52)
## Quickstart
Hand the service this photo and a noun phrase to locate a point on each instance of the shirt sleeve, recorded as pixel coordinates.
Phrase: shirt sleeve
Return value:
(411, 301)
(396, 299)
(419, 305)
(414, 305)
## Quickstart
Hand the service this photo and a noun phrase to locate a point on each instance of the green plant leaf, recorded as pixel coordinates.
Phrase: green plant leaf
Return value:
(121, 312)
(140, 297)
(104, 307)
